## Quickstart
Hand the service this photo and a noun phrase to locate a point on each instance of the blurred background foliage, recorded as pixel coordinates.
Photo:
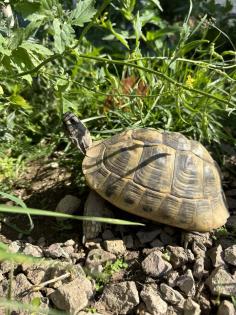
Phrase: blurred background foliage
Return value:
(116, 64)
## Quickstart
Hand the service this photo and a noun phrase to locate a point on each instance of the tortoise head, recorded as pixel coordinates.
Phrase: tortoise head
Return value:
(77, 132)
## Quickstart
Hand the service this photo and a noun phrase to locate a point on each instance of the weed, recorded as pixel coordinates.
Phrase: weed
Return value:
(109, 269)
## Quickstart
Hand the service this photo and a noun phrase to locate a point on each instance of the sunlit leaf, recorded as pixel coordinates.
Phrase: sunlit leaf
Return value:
(83, 12)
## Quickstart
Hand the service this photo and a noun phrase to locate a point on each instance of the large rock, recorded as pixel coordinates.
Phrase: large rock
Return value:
(32, 250)
(178, 256)
(155, 266)
(226, 308)
(172, 296)
(73, 296)
(97, 259)
(116, 247)
(217, 256)
(191, 307)
(221, 282)
(154, 303)
(186, 283)
(230, 255)
(148, 236)
(119, 298)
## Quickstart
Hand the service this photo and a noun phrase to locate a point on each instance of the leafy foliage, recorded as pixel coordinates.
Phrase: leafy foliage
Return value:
(118, 65)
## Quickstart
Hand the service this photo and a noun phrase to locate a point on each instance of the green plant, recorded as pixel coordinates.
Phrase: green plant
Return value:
(109, 269)
(78, 59)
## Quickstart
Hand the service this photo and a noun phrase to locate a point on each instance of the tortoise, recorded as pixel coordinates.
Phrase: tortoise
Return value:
(161, 176)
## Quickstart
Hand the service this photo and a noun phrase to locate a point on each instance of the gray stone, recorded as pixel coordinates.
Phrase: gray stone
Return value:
(172, 296)
(174, 311)
(59, 269)
(148, 236)
(97, 259)
(191, 307)
(198, 249)
(4, 287)
(69, 243)
(56, 251)
(205, 304)
(166, 238)
(226, 308)
(216, 255)
(116, 247)
(128, 241)
(222, 282)
(155, 266)
(36, 272)
(21, 290)
(7, 266)
(199, 269)
(69, 250)
(178, 256)
(154, 303)
(142, 309)
(69, 204)
(73, 296)
(230, 255)
(32, 250)
(172, 277)
(120, 298)
(231, 222)
(190, 255)
(14, 247)
(169, 230)
(108, 235)
(186, 283)
(157, 244)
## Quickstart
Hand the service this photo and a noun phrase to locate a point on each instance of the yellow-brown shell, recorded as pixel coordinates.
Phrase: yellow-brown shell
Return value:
(160, 176)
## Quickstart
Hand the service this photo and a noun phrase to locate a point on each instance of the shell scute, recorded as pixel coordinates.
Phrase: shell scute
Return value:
(160, 176)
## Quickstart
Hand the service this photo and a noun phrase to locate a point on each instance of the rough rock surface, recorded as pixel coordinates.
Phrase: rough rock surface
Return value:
(178, 256)
(226, 308)
(154, 265)
(120, 298)
(222, 282)
(136, 271)
(116, 247)
(191, 307)
(186, 283)
(153, 301)
(172, 296)
(73, 296)
(230, 255)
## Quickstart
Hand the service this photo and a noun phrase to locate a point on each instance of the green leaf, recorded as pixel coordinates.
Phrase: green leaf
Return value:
(83, 12)
(27, 8)
(59, 45)
(36, 302)
(47, 213)
(157, 3)
(63, 35)
(20, 101)
(117, 35)
(36, 48)
(21, 59)
(3, 46)
(138, 29)
(189, 46)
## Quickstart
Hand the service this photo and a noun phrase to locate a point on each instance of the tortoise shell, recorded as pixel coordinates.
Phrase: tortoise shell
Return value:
(159, 176)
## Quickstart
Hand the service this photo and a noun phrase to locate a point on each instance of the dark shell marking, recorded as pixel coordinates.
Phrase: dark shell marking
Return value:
(160, 176)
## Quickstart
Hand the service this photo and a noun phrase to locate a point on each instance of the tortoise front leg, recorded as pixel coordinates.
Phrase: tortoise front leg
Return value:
(94, 206)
